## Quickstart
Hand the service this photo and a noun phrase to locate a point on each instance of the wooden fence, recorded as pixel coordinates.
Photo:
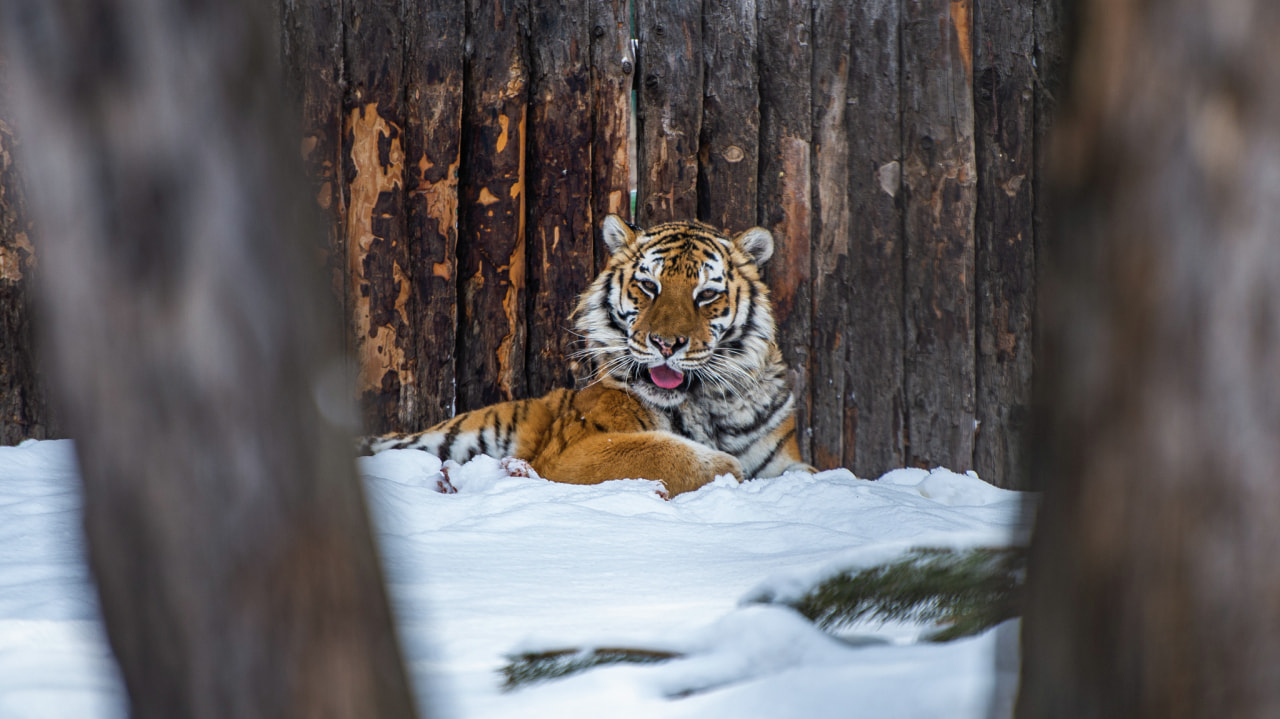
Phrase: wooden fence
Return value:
(464, 151)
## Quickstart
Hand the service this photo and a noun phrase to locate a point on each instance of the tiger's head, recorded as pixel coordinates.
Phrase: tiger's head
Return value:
(679, 309)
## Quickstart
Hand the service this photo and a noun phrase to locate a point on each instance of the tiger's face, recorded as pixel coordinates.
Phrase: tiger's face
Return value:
(680, 308)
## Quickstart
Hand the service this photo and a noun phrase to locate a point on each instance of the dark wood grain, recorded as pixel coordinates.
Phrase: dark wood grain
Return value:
(669, 109)
(613, 73)
(728, 149)
(434, 35)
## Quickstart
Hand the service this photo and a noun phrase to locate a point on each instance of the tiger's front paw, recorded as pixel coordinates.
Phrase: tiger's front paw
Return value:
(711, 464)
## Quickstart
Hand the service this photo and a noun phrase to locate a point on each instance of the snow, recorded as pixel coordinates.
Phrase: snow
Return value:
(511, 564)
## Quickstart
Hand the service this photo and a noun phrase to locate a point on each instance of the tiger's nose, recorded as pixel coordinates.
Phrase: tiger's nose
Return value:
(667, 345)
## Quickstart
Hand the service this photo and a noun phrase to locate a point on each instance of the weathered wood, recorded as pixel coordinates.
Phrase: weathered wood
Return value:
(1004, 135)
(491, 248)
(728, 149)
(225, 524)
(612, 79)
(874, 402)
(561, 237)
(24, 407)
(379, 292)
(434, 36)
(669, 109)
(938, 178)
(832, 228)
(1153, 581)
(311, 49)
(784, 190)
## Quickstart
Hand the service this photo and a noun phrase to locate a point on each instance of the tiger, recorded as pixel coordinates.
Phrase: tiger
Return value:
(681, 377)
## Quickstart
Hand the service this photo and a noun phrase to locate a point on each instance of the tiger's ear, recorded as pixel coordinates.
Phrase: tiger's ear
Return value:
(757, 242)
(616, 233)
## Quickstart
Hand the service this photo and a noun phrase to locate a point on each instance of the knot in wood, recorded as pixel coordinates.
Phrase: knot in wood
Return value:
(597, 31)
(651, 80)
(626, 67)
(660, 30)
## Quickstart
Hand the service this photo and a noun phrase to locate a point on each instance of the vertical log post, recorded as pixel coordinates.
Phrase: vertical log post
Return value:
(938, 178)
(311, 46)
(491, 251)
(784, 189)
(874, 402)
(379, 285)
(225, 525)
(1004, 134)
(561, 238)
(832, 228)
(669, 109)
(613, 72)
(728, 149)
(24, 409)
(434, 36)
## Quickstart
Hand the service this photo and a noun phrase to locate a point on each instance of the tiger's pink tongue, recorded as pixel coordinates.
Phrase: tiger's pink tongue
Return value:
(665, 377)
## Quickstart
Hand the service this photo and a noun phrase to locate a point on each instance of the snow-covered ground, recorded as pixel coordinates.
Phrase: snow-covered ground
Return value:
(510, 564)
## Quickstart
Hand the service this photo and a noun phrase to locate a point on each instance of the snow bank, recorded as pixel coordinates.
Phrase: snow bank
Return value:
(511, 563)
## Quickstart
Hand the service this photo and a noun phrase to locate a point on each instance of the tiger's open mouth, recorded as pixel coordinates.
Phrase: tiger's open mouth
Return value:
(666, 377)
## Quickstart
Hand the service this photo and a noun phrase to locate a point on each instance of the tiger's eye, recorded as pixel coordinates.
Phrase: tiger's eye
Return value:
(650, 288)
(708, 295)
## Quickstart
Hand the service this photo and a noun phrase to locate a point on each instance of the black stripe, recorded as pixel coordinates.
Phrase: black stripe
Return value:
(774, 452)
(450, 436)
(760, 418)
(480, 440)
(516, 415)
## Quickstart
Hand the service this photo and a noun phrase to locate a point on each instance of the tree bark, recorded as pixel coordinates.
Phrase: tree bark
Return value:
(728, 150)
(938, 177)
(1154, 582)
(785, 186)
(226, 529)
(492, 251)
(434, 36)
(562, 239)
(669, 109)
(1004, 112)
(613, 72)
(874, 413)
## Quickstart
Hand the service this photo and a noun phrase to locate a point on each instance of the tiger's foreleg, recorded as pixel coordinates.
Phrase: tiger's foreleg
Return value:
(682, 465)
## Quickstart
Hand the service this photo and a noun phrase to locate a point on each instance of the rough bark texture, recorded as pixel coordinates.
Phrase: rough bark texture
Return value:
(938, 181)
(561, 239)
(434, 35)
(226, 528)
(311, 49)
(874, 409)
(832, 228)
(669, 109)
(613, 65)
(1154, 582)
(379, 285)
(24, 409)
(1004, 124)
(491, 253)
(785, 201)
(728, 150)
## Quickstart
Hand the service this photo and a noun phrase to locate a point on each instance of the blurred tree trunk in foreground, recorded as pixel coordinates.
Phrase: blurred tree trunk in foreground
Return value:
(1155, 585)
(227, 531)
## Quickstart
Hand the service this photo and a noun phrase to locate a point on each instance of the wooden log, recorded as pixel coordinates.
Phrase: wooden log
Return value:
(1004, 140)
(491, 249)
(434, 36)
(832, 228)
(669, 109)
(728, 149)
(612, 79)
(784, 187)
(226, 531)
(938, 178)
(874, 401)
(311, 49)
(1153, 582)
(380, 285)
(561, 242)
(25, 412)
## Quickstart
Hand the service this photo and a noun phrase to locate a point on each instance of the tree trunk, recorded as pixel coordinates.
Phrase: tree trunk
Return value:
(938, 177)
(613, 66)
(1154, 582)
(226, 529)
(728, 150)
(492, 251)
(669, 109)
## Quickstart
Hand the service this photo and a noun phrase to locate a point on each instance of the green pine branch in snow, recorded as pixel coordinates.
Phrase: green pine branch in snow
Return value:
(965, 591)
(530, 667)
